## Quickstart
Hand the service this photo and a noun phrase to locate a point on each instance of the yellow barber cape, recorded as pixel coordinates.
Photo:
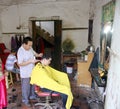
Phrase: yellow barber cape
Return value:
(47, 77)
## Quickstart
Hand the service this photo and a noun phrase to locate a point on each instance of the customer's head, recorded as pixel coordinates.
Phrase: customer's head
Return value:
(13, 51)
(46, 60)
(27, 43)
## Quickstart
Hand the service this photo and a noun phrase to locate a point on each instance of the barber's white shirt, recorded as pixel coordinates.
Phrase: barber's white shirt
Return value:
(23, 56)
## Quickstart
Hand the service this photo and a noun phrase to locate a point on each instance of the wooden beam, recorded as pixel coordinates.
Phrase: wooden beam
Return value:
(78, 28)
(15, 33)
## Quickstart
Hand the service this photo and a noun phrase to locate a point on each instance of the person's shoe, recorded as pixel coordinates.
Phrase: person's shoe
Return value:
(27, 104)
(34, 100)
(33, 97)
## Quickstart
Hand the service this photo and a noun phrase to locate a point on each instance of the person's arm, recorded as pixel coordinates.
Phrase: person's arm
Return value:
(39, 55)
(36, 54)
(21, 61)
(28, 62)
(16, 65)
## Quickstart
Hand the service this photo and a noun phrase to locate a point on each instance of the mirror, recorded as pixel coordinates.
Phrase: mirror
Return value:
(106, 42)
(108, 11)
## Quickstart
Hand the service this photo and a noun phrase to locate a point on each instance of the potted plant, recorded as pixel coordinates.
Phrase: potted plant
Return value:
(68, 45)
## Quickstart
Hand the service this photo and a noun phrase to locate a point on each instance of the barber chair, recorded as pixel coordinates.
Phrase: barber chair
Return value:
(47, 100)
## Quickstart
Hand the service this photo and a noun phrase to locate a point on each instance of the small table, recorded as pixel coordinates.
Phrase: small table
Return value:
(70, 59)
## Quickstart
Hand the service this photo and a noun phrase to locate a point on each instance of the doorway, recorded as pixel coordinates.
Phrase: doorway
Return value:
(47, 35)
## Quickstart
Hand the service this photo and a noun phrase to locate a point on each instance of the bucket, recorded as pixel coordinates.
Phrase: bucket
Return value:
(69, 70)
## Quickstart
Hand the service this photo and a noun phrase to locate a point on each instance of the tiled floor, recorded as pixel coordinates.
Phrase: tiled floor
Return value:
(81, 96)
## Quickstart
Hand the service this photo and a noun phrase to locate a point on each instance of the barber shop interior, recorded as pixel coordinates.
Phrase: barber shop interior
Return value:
(59, 54)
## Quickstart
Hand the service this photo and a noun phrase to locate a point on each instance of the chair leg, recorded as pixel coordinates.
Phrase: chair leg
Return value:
(6, 79)
(9, 79)
(54, 105)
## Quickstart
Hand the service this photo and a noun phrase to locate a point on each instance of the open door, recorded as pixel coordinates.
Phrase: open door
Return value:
(47, 35)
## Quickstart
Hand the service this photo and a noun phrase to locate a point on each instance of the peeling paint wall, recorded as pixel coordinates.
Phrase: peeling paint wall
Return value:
(97, 20)
(74, 14)
(112, 100)
(113, 86)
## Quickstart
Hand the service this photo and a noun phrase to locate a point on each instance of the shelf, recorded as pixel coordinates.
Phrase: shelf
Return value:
(70, 60)
(84, 76)
(72, 54)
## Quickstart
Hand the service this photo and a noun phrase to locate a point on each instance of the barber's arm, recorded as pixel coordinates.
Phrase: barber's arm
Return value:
(37, 54)
(27, 62)
(22, 62)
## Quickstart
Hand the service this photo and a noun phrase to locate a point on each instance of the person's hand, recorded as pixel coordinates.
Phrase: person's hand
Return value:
(33, 61)
(37, 61)
(40, 55)
(6, 73)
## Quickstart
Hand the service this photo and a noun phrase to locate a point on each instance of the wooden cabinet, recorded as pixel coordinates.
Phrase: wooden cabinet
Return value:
(84, 76)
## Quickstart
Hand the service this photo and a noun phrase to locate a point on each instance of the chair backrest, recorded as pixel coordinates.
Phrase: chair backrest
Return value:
(37, 89)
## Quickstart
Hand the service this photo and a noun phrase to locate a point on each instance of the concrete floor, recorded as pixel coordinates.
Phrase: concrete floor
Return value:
(81, 96)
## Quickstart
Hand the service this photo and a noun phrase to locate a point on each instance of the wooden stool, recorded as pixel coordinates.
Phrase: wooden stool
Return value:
(9, 79)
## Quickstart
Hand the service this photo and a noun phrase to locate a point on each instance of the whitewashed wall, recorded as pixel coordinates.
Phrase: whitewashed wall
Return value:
(74, 14)
(113, 86)
(113, 82)
(0, 30)
(79, 37)
(97, 20)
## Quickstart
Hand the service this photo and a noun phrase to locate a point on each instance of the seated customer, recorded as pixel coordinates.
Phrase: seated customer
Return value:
(11, 64)
(48, 78)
